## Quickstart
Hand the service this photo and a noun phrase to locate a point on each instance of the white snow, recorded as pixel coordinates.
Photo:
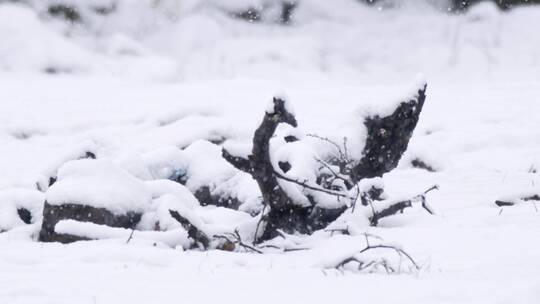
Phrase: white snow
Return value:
(100, 184)
(148, 87)
(16, 198)
(171, 238)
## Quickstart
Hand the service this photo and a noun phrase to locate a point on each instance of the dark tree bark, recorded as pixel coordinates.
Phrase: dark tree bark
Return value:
(194, 232)
(388, 138)
(503, 203)
(390, 210)
(283, 214)
(461, 5)
(25, 215)
(52, 214)
(258, 14)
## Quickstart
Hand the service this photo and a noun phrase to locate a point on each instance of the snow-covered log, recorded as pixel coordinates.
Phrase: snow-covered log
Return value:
(95, 191)
(52, 214)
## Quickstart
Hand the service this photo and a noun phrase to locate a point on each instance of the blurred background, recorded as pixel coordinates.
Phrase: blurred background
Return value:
(368, 41)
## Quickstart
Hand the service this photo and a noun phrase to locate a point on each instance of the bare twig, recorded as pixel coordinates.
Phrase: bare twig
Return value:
(346, 181)
(238, 162)
(193, 231)
(256, 236)
(358, 195)
(326, 139)
(130, 236)
(401, 205)
(362, 264)
(307, 186)
(344, 231)
(237, 239)
(346, 151)
(422, 198)
(398, 250)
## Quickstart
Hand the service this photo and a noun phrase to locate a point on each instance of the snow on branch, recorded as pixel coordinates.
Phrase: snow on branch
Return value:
(369, 264)
(388, 138)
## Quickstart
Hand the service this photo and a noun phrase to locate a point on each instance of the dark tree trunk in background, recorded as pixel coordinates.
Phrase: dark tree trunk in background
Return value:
(462, 5)
(503, 4)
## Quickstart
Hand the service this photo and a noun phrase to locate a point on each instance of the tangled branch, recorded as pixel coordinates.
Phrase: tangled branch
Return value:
(364, 264)
(400, 206)
(235, 238)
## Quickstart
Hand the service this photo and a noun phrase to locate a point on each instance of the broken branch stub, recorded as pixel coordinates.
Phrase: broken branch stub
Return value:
(388, 138)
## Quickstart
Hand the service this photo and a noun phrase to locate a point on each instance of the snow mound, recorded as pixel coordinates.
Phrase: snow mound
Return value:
(29, 45)
(158, 164)
(13, 200)
(206, 166)
(100, 184)
(168, 195)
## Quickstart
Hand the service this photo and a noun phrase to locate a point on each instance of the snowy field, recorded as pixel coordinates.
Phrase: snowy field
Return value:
(131, 86)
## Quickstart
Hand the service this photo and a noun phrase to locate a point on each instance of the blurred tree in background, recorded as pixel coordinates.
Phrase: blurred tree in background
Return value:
(503, 4)
(461, 5)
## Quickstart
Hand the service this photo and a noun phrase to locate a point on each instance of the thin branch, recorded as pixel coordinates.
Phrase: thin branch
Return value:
(346, 150)
(344, 231)
(398, 250)
(326, 139)
(130, 236)
(348, 182)
(193, 231)
(307, 186)
(237, 239)
(363, 265)
(422, 199)
(401, 205)
(284, 249)
(370, 203)
(238, 162)
(259, 223)
(371, 235)
(391, 210)
(434, 187)
(356, 197)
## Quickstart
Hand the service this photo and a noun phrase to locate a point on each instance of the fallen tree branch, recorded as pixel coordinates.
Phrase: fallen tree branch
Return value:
(193, 231)
(365, 264)
(401, 205)
(388, 138)
(235, 238)
(130, 236)
(391, 210)
(310, 187)
(238, 162)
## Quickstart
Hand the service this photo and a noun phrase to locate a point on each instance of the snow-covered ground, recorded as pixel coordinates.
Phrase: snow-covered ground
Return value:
(124, 89)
